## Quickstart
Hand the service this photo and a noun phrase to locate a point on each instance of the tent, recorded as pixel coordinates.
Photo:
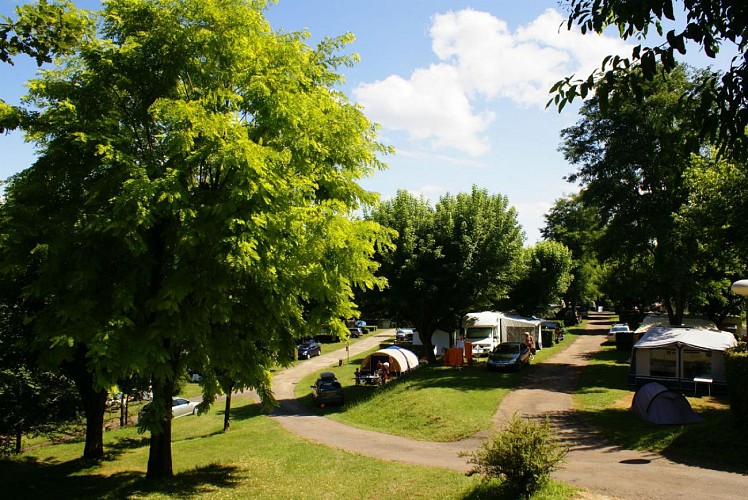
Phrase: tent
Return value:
(401, 360)
(674, 356)
(656, 403)
(515, 327)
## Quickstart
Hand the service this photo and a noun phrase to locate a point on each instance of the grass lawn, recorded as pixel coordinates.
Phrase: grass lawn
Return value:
(255, 459)
(432, 403)
(604, 399)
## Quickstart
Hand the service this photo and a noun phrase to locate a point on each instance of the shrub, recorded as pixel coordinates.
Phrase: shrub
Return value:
(736, 373)
(523, 455)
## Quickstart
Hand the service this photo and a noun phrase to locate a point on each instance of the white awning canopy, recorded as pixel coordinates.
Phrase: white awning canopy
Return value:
(661, 336)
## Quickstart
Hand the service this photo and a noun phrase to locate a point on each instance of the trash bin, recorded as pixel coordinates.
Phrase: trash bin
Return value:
(547, 337)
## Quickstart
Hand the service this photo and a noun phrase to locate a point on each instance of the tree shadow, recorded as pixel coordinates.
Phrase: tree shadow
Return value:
(244, 412)
(29, 477)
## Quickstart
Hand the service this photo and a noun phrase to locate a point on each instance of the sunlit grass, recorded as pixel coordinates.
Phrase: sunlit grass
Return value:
(255, 459)
(433, 403)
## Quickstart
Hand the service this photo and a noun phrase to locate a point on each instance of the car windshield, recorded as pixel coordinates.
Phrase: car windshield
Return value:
(478, 332)
(329, 386)
(506, 349)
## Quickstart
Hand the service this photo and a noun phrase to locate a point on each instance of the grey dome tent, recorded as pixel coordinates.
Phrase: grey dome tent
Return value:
(656, 403)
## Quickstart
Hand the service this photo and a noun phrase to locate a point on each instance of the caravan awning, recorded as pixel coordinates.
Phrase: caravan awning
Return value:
(661, 336)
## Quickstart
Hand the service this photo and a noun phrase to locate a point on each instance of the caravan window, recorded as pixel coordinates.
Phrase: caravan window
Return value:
(662, 363)
(478, 332)
(697, 363)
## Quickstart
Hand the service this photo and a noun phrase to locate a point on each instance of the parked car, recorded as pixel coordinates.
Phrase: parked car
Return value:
(179, 408)
(327, 390)
(309, 349)
(508, 356)
(618, 327)
(404, 335)
(355, 332)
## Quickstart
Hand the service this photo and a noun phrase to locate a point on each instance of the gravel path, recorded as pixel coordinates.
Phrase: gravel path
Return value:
(603, 470)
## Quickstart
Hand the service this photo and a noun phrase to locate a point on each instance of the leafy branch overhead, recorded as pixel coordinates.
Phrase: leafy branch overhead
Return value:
(710, 24)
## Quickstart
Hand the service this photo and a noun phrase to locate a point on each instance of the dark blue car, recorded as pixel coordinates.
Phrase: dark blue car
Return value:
(309, 349)
(327, 390)
(508, 356)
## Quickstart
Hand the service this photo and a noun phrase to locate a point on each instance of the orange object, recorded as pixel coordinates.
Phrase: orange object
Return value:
(453, 357)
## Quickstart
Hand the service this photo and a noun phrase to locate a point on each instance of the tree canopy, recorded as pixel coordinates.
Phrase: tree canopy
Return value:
(546, 276)
(578, 228)
(634, 161)
(709, 24)
(461, 255)
(191, 202)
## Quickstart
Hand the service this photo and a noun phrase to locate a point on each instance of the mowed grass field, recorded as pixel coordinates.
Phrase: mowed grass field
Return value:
(255, 459)
(258, 459)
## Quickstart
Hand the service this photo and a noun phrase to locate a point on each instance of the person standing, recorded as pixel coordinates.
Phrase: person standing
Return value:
(530, 342)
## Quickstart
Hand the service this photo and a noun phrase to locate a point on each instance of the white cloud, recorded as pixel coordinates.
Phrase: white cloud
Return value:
(447, 105)
(431, 105)
(429, 191)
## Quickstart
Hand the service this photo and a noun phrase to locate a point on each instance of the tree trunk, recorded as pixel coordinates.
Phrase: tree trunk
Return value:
(227, 409)
(94, 406)
(122, 410)
(428, 346)
(94, 403)
(159, 453)
(19, 437)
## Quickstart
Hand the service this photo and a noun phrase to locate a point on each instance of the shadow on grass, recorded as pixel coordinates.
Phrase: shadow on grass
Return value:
(716, 443)
(32, 478)
(113, 450)
(244, 412)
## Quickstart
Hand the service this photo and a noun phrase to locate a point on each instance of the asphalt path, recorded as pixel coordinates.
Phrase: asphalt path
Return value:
(603, 470)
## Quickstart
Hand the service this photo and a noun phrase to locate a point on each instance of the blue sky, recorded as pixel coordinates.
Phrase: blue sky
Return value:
(458, 87)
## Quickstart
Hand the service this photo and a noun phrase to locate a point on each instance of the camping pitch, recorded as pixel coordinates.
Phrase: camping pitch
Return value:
(656, 403)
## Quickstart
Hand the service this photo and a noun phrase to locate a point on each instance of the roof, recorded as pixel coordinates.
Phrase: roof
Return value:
(661, 336)
(400, 359)
(652, 320)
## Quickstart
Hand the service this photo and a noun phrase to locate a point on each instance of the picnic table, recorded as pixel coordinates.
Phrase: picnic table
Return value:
(369, 378)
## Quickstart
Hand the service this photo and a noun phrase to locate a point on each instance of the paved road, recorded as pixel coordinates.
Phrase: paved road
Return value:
(603, 470)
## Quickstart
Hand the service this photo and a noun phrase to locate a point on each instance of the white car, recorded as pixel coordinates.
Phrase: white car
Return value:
(403, 335)
(618, 327)
(181, 407)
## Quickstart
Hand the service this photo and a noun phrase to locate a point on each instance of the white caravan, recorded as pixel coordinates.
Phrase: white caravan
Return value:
(487, 329)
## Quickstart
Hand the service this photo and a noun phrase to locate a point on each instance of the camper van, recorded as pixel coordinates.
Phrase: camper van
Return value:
(487, 329)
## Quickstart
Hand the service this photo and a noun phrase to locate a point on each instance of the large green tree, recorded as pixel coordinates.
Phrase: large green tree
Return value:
(545, 279)
(461, 255)
(578, 228)
(632, 163)
(190, 204)
(709, 25)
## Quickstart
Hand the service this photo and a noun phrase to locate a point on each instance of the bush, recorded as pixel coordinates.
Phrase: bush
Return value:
(736, 372)
(523, 455)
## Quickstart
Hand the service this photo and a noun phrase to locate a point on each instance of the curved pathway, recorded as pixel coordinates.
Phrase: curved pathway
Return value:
(605, 471)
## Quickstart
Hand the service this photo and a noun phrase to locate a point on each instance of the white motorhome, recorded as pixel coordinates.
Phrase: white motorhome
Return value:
(487, 329)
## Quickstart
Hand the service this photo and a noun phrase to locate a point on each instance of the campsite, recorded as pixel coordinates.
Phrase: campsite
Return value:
(443, 409)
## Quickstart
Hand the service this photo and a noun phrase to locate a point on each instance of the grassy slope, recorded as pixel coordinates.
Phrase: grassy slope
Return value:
(432, 403)
(255, 459)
